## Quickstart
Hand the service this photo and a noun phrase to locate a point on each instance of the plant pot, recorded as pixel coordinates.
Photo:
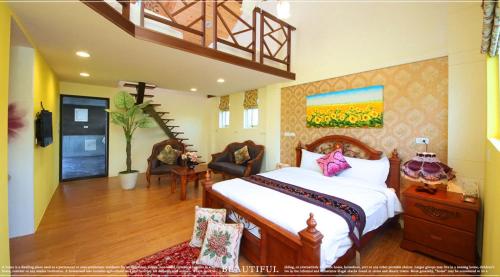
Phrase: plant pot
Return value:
(128, 180)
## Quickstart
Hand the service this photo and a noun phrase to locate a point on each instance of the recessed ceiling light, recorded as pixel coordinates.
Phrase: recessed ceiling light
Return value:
(84, 74)
(83, 54)
(220, 80)
(193, 89)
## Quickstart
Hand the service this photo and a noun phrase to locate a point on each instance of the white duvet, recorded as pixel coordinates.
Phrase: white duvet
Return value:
(378, 202)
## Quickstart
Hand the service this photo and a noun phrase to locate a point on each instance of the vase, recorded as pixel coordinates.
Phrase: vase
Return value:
(191, 165)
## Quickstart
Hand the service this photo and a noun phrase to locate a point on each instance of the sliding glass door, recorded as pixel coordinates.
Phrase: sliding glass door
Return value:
(84, 137)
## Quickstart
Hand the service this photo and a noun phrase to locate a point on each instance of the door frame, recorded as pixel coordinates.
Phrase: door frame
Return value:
(106, 172)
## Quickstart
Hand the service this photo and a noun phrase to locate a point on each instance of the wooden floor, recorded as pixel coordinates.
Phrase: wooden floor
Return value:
(95, 222)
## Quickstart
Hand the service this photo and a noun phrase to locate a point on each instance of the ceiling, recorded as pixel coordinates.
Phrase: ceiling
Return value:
(59, 29)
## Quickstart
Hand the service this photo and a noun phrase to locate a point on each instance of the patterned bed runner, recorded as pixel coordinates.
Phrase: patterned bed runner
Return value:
(350, 212)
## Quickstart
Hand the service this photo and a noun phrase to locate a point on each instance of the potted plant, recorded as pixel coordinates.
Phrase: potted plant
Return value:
(129, 116)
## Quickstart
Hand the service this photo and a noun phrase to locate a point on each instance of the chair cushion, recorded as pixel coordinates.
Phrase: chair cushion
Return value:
(241, 155)
(162, 169)
(169, 155)
(231, 168)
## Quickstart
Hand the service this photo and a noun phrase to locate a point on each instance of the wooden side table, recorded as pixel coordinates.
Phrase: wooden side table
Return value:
(186, 175)
(440, 225)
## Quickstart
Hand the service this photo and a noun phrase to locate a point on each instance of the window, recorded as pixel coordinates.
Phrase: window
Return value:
(223, 119)
(251, 118)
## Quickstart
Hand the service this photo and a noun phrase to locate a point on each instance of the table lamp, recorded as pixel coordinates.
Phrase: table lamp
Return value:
(426, 168)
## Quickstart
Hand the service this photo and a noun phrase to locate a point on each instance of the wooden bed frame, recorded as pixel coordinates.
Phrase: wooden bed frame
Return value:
(278, 247)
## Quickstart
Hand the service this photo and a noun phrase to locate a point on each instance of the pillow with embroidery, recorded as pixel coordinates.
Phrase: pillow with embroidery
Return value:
(201, 218)
(333, 163)
(221, 246)
(241, 155)
(169, 155)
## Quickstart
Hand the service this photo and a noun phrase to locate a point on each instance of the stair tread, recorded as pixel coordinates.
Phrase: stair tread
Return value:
(145, 95)
(134, 85)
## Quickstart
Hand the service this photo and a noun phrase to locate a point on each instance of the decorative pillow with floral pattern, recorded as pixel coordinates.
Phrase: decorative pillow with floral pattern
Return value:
(221, 246)
(169, 155)
(241, 155)
(333, 163)
(201, 218)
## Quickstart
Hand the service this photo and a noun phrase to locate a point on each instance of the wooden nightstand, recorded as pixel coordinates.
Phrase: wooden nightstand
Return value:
(440, 225)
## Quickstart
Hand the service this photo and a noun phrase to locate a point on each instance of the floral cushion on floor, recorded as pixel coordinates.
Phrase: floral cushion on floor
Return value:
(221, 246)
(201, 218)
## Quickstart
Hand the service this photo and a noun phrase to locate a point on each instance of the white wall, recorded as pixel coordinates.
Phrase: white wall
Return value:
(21, 151)
(188, 109)
(466, 93)
(262, 134)
(467, 97)
(336, 39)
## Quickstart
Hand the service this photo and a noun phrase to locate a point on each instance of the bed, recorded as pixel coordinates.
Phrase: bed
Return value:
(282, 231)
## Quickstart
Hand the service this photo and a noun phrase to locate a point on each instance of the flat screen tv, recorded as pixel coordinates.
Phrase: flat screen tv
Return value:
(43, 131)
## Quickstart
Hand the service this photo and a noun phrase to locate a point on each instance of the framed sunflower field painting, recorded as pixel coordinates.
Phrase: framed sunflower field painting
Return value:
(353, 108)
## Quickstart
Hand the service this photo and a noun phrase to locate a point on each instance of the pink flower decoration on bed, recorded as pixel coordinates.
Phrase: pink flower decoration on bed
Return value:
(333, 163)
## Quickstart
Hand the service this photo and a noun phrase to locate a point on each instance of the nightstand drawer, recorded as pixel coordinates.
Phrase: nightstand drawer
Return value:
(448, 215)
(442, 238)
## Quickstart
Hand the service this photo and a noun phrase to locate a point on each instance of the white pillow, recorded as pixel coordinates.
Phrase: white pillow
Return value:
(372, 171)
(309, 161)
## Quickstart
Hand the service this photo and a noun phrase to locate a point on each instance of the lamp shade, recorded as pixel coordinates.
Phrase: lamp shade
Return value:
(426, 168)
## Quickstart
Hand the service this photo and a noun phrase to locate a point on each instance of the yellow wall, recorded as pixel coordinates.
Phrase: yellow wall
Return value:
(491, 231)
(46, 160)
(46, 90)
(4, 88)
(493, 99)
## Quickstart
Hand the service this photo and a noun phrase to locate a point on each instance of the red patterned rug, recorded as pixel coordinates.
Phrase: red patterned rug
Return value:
(173, 261)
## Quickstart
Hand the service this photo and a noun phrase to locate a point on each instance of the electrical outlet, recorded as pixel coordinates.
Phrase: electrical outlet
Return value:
(289, 134)
(422, 140)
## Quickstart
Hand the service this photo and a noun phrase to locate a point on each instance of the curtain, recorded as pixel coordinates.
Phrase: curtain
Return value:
(251, 99)
(491, 30)
(224, 103)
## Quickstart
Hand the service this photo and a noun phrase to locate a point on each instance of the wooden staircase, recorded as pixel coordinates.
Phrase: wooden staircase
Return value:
(164, 122)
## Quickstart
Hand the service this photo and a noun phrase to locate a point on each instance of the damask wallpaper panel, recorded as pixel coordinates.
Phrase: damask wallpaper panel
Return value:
(415, 105)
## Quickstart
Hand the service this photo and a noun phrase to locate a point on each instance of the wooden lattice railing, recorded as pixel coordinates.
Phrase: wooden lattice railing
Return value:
(268, 38)
(270, 28)
(249, 28)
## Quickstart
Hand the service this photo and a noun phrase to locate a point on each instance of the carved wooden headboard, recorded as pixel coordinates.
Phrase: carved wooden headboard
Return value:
(354, 148)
